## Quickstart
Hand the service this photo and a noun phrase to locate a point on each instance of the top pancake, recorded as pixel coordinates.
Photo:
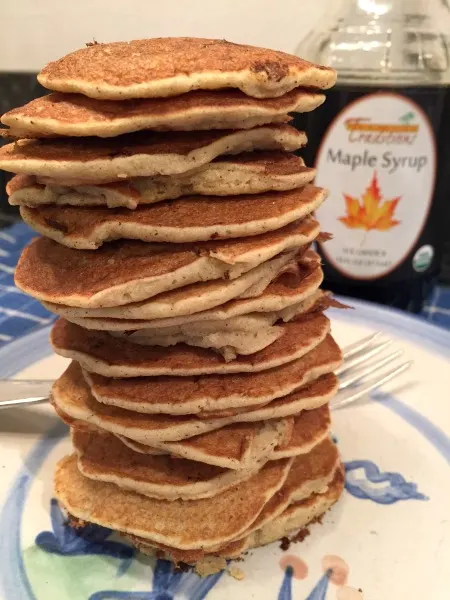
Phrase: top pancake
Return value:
(184, 524)
(161, 67)
(74, 115)
(139, 154)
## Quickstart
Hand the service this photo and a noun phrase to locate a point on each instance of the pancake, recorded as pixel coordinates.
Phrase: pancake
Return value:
(235, 446)
(305, 474)
(190, 302)
(194, 395)
(160, 67)
(317, 301)
(182, 524)
(103, 457)
(189, 219)
(71, 396)
(246, 173)
(130, 271)
(241, 335)
(296, 516)
(309, 474)
(287, 300)
(241, 446)
(188, 299)
(229, 344)
(94, 160)
(75, 115)
(98, 352)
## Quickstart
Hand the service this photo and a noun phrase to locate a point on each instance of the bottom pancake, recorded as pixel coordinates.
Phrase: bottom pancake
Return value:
(193, 524)
(295, 517)
(197, 525)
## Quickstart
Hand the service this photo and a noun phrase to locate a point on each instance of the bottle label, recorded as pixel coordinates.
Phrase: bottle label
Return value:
(378, 159)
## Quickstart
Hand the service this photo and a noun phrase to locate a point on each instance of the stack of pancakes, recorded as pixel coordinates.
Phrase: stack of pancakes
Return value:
(177, 230)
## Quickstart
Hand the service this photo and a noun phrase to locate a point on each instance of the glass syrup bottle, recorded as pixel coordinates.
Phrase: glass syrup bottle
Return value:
(381, 145)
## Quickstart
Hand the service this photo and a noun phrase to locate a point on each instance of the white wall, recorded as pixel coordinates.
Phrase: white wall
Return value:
(33, 32)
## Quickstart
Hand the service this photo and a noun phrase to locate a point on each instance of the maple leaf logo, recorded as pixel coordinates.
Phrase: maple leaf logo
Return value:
(372, 213)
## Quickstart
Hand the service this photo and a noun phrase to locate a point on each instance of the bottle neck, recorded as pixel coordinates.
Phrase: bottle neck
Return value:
(391, 41)
(381, 8)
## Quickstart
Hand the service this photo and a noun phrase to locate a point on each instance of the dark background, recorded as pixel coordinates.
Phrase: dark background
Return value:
(15, 89)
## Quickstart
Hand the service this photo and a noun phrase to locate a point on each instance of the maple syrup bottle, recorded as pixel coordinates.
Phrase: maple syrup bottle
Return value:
(380, 144)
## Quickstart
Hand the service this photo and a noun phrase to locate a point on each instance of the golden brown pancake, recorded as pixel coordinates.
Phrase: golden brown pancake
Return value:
(129, 271)
(246, 173)
(186, 300)
(316, 301)
(182, 524)
(240, 446)
(99, 352)
(245, 334)
(160, 67)
(72, 397)
(75, 115)
(188, 219)
(264, 288)
(194, 395)
(93, 160)
(296, 516)
(235, 446)
(103, 457)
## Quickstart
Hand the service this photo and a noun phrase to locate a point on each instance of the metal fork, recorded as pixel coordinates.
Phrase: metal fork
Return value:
(354, 375)
(364, 368)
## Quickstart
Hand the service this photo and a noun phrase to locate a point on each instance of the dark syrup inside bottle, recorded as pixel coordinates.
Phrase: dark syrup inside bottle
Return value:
(408, 284)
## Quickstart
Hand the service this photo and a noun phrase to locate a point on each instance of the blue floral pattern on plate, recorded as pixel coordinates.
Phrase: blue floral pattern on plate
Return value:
(68, 541)
(167, 584)
(380, 487)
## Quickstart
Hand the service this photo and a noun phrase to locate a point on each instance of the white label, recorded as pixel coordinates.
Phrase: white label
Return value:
(378, 159)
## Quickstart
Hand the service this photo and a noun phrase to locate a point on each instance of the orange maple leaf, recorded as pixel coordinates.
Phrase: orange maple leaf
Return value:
(372, 213)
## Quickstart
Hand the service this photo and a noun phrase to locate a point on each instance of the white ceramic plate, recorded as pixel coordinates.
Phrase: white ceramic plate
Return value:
(387, 539)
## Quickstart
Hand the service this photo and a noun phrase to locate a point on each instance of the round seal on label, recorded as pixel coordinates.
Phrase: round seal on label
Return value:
(422, 259)
(378, 159)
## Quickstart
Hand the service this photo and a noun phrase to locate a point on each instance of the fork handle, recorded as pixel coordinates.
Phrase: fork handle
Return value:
(14, 392)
